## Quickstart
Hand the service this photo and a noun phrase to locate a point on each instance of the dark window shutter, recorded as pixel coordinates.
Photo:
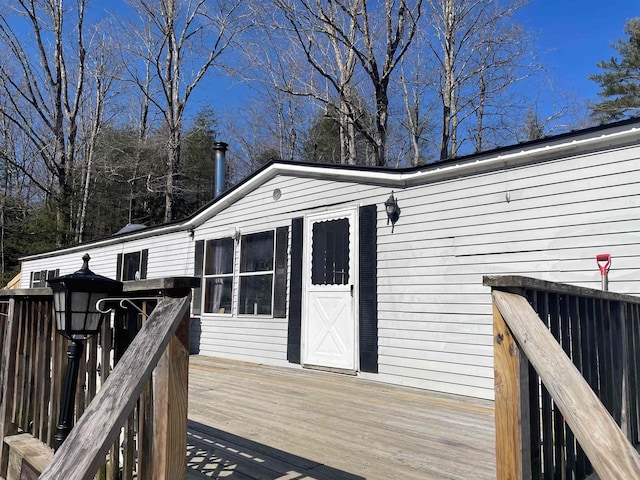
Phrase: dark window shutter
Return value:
(280, 281)
(196, 303)
(367, 292)
(144, 259)
(295, 295)
(119, 268)
(31, 285)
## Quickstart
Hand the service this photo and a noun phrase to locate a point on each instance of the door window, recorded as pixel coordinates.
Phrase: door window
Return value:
(330, 253)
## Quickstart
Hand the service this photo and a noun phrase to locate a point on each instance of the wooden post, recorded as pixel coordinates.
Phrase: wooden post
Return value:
(7, 383)
(511, 371)
(170, 394)
(606, 446)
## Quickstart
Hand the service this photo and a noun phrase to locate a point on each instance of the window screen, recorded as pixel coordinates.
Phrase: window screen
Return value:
(330, 255)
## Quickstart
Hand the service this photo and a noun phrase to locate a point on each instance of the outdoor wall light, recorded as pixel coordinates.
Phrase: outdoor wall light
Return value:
(393, 210)
(77, 318)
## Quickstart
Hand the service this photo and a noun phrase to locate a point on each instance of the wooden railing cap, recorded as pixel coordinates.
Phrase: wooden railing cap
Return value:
(6, 293)
(162, 286)
(510, 282)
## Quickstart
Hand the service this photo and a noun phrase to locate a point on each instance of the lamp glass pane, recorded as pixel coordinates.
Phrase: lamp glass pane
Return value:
(59, 304)
(94, 316)
(79, 304)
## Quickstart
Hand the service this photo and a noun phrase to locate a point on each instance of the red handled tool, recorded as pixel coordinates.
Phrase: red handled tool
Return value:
(604, 262)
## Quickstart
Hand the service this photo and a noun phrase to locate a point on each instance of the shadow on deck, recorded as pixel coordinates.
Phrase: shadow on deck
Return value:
(217, 454)
(254, 422)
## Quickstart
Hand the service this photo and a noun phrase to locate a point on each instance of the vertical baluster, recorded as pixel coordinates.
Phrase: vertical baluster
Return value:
(555, 321)
(567, 333)
(578, 333)
(39, 369)
(20, 364)
(8, 370)
(617, 350)
(633, 332)
(547, 412)
(535, 418)
(145, 423)
(49, 332)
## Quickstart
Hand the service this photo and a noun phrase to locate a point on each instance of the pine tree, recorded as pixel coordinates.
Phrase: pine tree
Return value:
(620, 78)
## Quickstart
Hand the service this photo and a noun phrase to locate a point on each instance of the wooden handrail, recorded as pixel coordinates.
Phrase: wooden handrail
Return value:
(604, 443)
(519, 282)
(85, 448)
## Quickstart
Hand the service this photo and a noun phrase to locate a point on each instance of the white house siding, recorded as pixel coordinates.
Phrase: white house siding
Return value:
(434, 314)
(547, 220)
(169, 255)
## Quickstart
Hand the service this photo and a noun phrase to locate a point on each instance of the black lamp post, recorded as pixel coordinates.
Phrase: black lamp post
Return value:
(77, 318)
(393, 210)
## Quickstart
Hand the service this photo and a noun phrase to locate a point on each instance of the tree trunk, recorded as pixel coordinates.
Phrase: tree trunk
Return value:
(173, 158)
(448, 93)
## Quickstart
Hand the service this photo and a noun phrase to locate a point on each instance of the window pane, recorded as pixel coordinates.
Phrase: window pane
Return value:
(330, 256)
(131, 266)
(257, 252)
(217, 295)
(219, 259)
(255, 295)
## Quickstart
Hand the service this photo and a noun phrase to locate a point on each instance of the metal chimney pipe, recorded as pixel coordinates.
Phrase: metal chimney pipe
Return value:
(219, 149)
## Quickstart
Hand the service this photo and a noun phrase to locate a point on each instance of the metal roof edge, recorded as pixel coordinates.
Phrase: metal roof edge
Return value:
(150, 232)
(399, 178)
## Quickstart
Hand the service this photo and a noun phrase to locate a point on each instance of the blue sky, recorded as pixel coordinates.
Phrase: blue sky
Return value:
(573, 35)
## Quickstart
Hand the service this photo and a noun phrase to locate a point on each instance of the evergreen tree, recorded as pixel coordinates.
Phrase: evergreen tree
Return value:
(322, 144)
(620, 78)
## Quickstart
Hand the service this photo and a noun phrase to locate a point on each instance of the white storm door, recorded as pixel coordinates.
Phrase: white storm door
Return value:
(329, 326)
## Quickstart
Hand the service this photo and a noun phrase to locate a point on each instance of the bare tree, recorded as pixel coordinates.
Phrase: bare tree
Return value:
(480, 52)
(183, 40)
(43, 78)
(353, 50)
(101, 70)
(414, 87)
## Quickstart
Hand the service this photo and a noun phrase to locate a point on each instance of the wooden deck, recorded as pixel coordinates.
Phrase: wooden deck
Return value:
(251, 421)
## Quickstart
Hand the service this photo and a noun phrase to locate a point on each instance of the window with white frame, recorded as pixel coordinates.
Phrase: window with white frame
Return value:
(218, 275)
(256, 274)
(254, 284)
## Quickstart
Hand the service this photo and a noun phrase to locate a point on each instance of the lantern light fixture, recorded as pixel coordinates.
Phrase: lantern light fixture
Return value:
(77, 316)
(74, 301)
(393, 210)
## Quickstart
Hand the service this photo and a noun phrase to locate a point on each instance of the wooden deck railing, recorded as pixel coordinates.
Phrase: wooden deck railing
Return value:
(144, 434)
(566, 380)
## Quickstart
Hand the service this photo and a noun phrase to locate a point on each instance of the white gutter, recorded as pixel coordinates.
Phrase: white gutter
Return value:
(390, 177)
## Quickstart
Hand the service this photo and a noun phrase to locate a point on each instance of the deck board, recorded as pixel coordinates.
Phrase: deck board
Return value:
(255, 422)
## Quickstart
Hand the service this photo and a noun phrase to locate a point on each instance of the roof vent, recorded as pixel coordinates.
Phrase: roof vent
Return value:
(131, 227)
